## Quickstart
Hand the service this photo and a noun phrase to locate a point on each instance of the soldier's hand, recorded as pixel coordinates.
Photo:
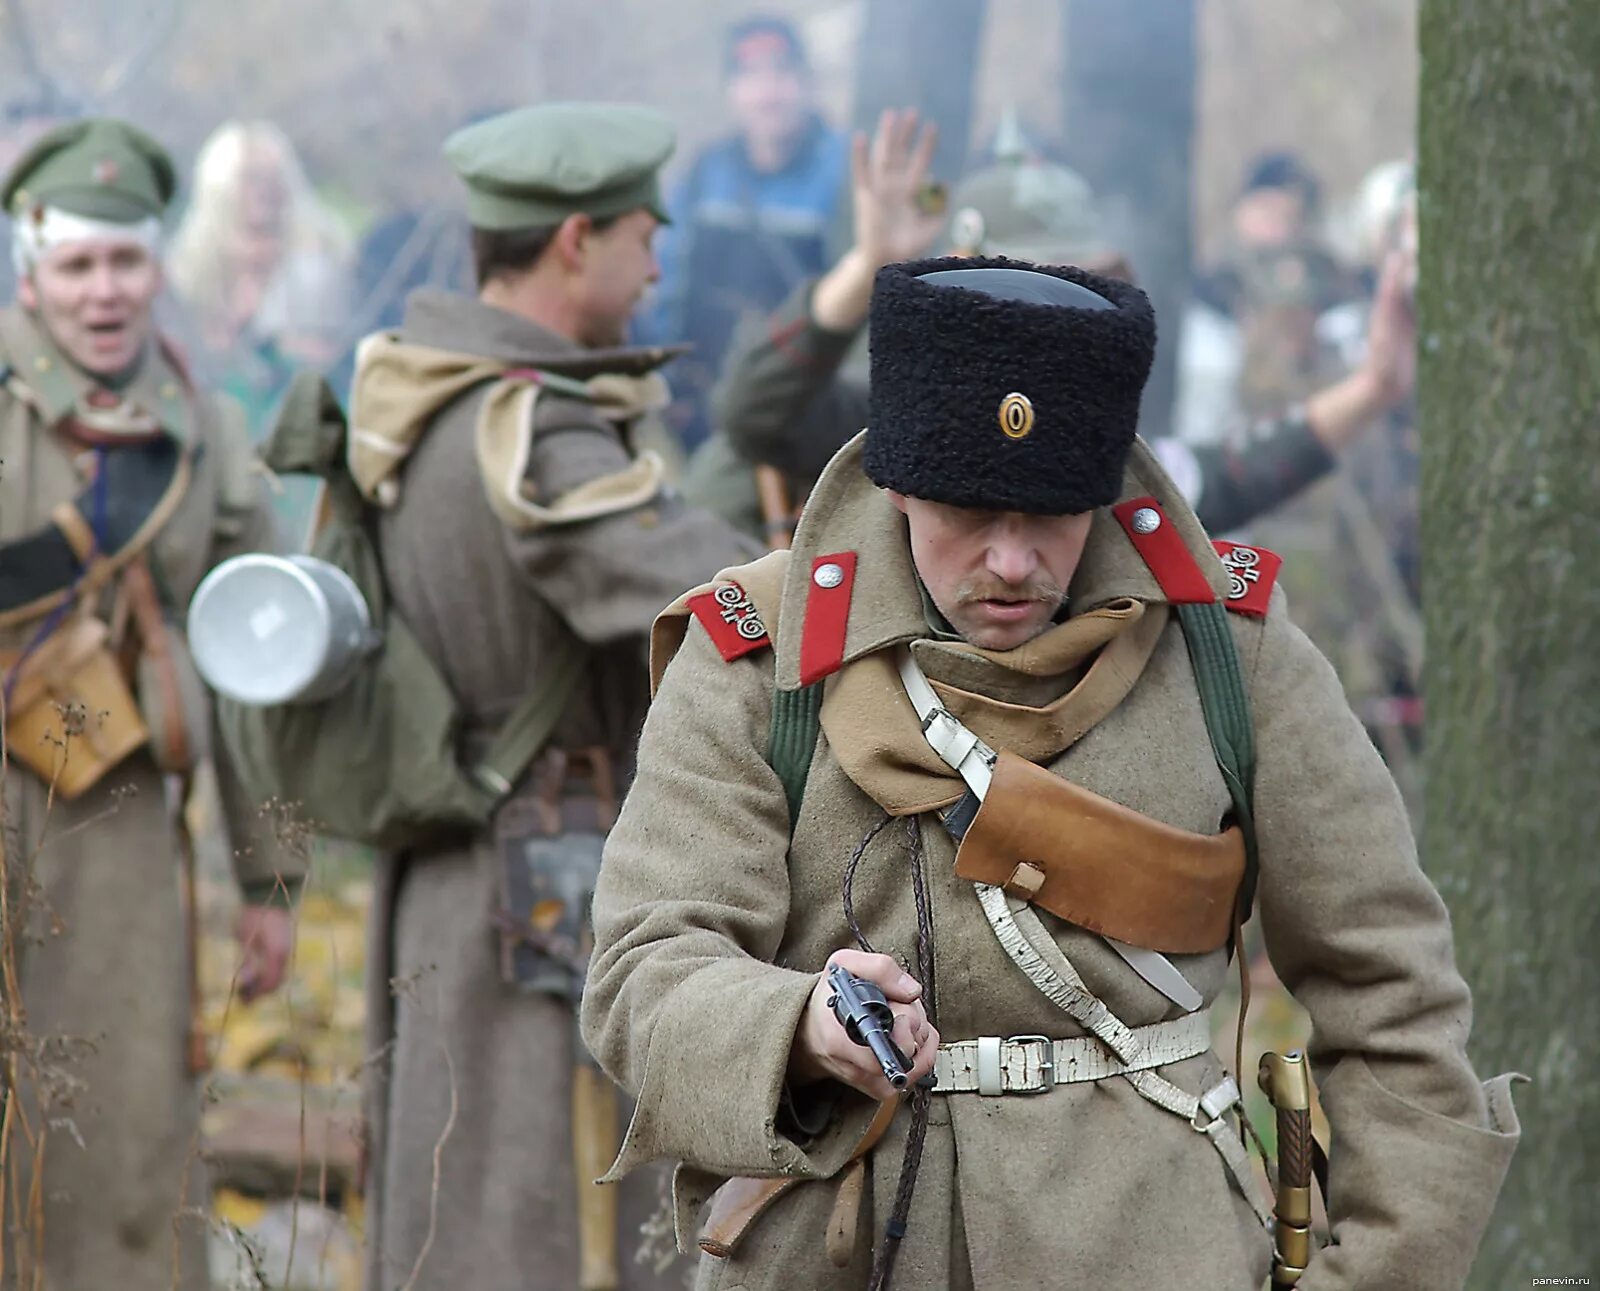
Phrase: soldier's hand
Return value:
(822, 1050)
(265, 934)
(1390, 366)
(887, 177)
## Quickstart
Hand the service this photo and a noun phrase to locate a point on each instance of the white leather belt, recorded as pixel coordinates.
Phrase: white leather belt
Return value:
(1032, 1064)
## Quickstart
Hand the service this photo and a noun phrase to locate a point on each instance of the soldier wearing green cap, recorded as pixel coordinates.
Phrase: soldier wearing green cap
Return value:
(794, 388)
(529, 537)
(123, 486)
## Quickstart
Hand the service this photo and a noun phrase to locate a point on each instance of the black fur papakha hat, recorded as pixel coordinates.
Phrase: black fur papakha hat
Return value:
(1005, 386)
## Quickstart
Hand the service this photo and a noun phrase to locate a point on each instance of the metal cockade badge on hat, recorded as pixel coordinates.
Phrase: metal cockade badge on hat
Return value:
(1016, 415)
(106, 171)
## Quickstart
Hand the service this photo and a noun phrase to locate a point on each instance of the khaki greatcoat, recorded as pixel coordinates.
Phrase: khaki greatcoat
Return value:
(489, 604)
(112, 982)
(712, 923)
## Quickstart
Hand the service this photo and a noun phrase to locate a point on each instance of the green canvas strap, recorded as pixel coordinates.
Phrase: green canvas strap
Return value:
(1226, 706)
(529, 726)
(796, 720)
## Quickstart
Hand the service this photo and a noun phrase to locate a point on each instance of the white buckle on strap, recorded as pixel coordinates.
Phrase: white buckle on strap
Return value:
(959, 748)
(1219, 1098)
(989, 1081)
(1045, 1063)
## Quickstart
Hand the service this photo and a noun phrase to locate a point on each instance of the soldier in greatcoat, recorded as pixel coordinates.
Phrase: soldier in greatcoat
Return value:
(121, 486)
(1016, 743)
(529, 536)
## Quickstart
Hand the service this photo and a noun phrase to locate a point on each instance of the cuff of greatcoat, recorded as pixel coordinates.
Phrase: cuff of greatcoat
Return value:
(803, 340)
(714, 1079)
(1411, 1189)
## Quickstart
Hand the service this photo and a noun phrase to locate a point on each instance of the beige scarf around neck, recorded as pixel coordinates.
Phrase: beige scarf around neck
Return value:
(876, 736)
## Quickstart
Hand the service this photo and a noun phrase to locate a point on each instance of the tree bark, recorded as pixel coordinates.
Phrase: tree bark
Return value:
(1509, 303)
(922, 54)
(1129, 125)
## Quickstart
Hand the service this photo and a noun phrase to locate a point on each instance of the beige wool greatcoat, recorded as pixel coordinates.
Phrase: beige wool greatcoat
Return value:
(712, 923)
(461, 1058)
(110, 982)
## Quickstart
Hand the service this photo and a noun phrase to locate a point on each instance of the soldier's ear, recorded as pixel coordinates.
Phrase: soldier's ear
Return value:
(571, 242)
(27, 294)
(899, 500)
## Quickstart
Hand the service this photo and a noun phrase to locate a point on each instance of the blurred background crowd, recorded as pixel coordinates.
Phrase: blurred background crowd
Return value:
(1250, 159)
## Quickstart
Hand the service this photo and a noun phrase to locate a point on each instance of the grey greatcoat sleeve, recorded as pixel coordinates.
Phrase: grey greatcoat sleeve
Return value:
(609, 577)
(245, 523)
(782, 400)
(684, 1006)
(1231, 483)
(1362, 939)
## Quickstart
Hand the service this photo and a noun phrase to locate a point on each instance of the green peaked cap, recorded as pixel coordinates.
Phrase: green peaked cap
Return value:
(97, 167)
(535, 166)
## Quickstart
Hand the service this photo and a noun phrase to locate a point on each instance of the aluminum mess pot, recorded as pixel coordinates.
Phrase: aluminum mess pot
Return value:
(267, 630)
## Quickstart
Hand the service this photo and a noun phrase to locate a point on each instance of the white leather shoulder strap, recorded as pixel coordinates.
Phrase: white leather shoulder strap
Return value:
(973, 761)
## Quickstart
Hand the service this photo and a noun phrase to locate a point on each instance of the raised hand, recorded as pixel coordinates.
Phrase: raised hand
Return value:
(888, 176)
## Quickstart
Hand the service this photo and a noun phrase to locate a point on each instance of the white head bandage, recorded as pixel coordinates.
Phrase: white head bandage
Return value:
(42, 229)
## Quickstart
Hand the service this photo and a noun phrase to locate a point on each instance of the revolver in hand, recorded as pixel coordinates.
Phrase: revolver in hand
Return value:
(864, 1013)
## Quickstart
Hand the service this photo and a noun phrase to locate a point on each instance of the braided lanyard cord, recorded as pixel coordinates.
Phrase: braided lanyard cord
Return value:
(894, 1230)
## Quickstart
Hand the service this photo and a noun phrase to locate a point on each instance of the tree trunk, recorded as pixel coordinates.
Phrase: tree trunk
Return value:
(922, 54)
(1509, 304)
(1129, 126)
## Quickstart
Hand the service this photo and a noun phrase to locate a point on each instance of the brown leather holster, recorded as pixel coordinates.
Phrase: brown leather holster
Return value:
(1100, 865)
(737, 1205)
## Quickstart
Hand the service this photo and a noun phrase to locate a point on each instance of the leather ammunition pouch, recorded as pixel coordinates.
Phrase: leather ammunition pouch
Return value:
(1100, 865)
(548, 839)
(71, 716)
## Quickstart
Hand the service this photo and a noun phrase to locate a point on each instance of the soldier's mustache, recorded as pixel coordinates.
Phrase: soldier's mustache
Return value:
(1035, 589)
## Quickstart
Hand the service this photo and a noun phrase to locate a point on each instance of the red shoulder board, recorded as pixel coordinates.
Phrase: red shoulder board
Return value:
(833, 578)
(731, 619)
(1251, 574)
(1157, 539)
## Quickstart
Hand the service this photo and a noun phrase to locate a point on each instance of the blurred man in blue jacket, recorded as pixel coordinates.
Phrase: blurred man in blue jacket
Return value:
(752, 218)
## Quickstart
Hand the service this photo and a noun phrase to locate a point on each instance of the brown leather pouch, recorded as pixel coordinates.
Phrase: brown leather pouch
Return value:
(71, 717)
(1100, 865)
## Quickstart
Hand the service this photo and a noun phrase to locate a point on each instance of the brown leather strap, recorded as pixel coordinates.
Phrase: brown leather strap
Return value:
(157, 648)
(103, 568)
(1100, 865)
(77, 530)
(573, 791)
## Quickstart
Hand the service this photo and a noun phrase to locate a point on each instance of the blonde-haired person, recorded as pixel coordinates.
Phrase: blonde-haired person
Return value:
(260, 263)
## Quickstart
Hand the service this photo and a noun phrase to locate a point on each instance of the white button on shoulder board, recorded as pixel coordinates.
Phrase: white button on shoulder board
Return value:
(1146, 520)
(829, 575)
